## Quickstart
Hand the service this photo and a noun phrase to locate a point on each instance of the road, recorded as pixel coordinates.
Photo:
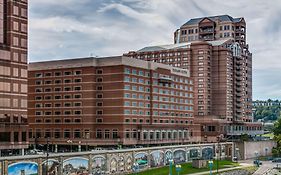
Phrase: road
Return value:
(267, 168)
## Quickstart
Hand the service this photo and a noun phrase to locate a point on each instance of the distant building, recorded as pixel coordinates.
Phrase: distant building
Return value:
(110, 101)
(214, 49)
(259, 103)
(13, 76)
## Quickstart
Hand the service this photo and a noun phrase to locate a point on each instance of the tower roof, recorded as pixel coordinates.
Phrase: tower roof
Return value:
(213, 18)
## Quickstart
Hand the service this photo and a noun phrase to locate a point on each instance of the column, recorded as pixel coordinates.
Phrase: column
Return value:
(56, 148)
(39, 162)
(60, 168)
(90, 163)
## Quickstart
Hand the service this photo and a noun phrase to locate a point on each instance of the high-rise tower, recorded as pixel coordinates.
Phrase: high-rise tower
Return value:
(13, 75)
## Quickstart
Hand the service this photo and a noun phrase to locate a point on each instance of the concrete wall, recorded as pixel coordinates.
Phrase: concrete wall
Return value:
(111, 162)
(248, 150)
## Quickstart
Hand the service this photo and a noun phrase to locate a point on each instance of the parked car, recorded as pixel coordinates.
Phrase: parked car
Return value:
(257, 162)
(276, 160)
(35, 152)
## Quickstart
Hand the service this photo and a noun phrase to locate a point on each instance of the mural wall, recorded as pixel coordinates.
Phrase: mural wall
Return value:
(99, 165)
(76, 166)
(23, 168)
(51, 168)
(110, 162)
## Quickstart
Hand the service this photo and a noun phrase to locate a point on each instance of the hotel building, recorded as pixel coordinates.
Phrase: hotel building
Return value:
(13, 76)
(214, 49)
(110, 101)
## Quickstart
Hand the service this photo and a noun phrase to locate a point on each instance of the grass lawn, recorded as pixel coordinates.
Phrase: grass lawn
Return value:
(187, 168)
(270, 135)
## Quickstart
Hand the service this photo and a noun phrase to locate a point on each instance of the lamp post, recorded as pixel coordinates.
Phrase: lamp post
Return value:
(218, 152)
(171, 161)
(266, 149)
(47, 157)
(87, 138)
(178, 169)
(211, 166)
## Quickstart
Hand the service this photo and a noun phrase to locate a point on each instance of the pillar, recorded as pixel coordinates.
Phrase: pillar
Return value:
(22, 151)
(90, 165)
(39, 162)
(56, 148)
(60, 168)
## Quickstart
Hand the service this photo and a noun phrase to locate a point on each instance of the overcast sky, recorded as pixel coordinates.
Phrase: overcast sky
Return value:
(78, 28)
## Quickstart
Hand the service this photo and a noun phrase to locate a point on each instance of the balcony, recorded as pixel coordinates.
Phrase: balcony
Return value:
(165, 79)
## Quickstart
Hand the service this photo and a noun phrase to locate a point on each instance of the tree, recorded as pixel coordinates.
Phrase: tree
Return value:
(277, 137)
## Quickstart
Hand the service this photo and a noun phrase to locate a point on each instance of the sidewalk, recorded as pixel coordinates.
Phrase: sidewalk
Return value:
(242, 165)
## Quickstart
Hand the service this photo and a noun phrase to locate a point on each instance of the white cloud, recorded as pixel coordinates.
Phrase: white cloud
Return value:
(117, 26)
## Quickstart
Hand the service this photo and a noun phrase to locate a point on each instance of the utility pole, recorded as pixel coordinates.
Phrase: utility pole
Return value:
(47, 157)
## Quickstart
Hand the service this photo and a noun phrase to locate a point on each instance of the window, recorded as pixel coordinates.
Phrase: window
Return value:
(77, 112)
(77, 120)
(99, 120)
(99, 112)
(99, 88)
(38, 75)
(99, 95)
(114, 133)
(99, 103)
(67, 96)
(77, 133)
(48, 82)
(78, 72)
(127, 71)
(57, 120)
(57, 74)
(66, 133)
(38, 90)
(99, 71)
(77, 88)
(77, 96)
(57, 133)
(48, 74)
(99, 134)
(57, 97)
(99, 79)
(67, 81)
(67, 120)
(107, 134)
(67, 73)
(77, 80)
(57, 81)
(57, 89)
(77, 104)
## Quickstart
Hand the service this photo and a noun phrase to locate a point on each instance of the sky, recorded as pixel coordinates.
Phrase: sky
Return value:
(61, 29)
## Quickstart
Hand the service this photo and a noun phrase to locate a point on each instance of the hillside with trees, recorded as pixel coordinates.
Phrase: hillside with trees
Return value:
(267, 111)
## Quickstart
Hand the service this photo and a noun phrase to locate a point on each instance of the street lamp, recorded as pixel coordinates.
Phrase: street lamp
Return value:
(218, 152)
(47, 157)
(266, 149)
(171, 161)
(211, 166)
(70, 142)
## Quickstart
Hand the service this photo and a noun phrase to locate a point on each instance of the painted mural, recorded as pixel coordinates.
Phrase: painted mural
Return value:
(113, 165)
(168, 156)
(207, 153)
(76, 166)
(157, 159)
(194, 153)
(121, 164)
(53, 166)
(179, 156)
(141, 159)
(23, 168)
(129, 163)
(99, 165)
